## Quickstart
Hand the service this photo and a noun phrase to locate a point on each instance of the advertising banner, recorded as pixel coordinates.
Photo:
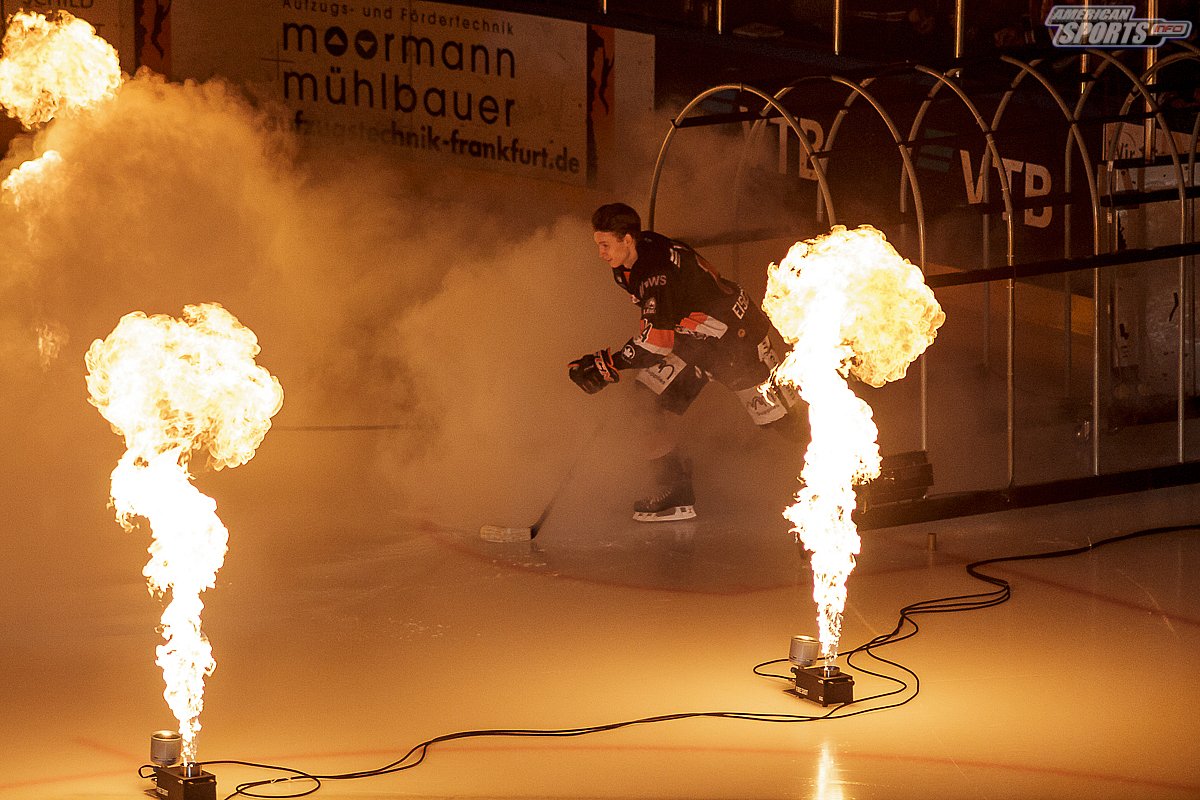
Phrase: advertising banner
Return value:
(474, 87)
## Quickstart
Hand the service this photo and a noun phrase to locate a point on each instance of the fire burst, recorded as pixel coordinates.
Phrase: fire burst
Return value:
(51, 65)
(174, 387)
(54, 64)
(32, 179)
(850, 305)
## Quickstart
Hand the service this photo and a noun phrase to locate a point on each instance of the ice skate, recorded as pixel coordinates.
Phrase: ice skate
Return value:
(668, 505)
(675, 500)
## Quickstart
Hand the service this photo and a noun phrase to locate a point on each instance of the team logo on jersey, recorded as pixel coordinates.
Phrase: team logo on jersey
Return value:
(1110, 26)
(650, 307)
(651, 282)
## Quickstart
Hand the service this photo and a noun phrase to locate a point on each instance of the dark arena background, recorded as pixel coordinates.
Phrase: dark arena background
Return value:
(394, 197)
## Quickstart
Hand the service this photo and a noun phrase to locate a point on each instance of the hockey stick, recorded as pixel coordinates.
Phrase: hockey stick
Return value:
(500, 533)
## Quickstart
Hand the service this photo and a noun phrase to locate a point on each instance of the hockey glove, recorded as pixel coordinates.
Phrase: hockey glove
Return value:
(594, 371)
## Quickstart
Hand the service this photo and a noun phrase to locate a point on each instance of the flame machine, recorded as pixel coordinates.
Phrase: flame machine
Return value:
(185, 782)
(176, 781)
(824, 684)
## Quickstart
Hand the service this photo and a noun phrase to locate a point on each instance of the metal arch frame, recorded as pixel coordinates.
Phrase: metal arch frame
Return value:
(1191, 54)
(1185, 219)
(756, 131)
(1028, 69)
(942, 80)
(1185, 45)
(918, 122)
(1080, 104)
(1139, 87)
(769, 103)
(857, 90)
(909, 169)
(1093, 63)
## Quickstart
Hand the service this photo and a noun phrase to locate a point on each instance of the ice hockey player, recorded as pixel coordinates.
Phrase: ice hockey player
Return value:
(695, 327)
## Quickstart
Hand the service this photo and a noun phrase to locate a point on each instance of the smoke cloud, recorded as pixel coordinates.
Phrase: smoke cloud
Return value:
(383, 294)
(380, 295)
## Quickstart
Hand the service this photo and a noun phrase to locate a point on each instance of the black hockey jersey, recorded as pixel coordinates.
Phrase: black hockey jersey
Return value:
(679, 294)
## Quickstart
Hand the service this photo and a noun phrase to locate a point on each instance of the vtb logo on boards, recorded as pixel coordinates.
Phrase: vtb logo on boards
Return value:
(1111, 26)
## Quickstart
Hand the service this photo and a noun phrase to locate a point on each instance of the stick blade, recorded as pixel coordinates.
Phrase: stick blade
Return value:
(498, 533)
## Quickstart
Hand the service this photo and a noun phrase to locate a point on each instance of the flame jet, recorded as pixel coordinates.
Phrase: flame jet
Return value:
(849, 304)
(172, 388)
(51, 65)
(54, 64)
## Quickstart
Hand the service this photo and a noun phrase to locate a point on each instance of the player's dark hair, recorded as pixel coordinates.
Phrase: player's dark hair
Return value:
(617, 219)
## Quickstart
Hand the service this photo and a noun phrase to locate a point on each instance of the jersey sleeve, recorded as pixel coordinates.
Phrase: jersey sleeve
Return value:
(646, 347)
(653, 290)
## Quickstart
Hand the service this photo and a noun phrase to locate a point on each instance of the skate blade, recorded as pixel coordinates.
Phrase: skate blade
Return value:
(497, 533)
(671, 514)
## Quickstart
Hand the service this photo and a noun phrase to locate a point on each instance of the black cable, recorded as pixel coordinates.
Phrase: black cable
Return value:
(906, 627)
(417, 754)
(758, 667)
(243, 788)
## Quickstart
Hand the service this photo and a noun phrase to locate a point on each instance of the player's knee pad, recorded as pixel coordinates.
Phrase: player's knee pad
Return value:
(769, 401)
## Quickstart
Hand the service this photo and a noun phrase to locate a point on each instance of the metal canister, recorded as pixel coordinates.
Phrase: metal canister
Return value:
(166, 747)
